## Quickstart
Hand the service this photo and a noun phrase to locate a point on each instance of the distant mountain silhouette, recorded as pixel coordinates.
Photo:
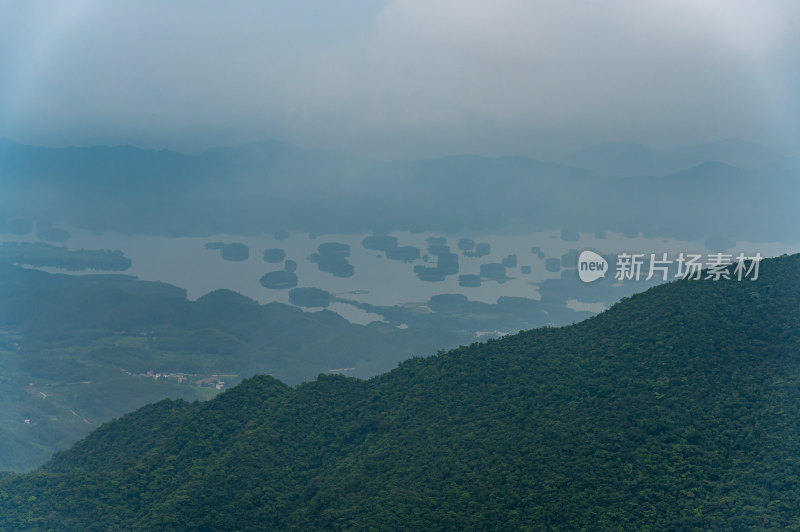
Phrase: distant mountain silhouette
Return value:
(630, 159)
(261, 188)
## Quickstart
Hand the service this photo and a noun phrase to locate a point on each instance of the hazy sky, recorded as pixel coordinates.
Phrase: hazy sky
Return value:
(400, 78)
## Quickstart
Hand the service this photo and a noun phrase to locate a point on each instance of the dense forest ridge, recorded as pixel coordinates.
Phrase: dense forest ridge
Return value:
(675, 409)
(76, 351)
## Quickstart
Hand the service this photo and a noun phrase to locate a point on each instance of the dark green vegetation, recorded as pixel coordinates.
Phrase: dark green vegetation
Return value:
(430, 274)
(75, 348)
(481, 250)
(510, 261)
(41, 254)
(510, 314)
(235, 252)
(456, 312)
(261, 188)
(494, 271)
(403, 253)
(552, 265)
(331, 257)
(446, 261)
(675, 410)
(389, 245)
(570, 259)
(279, 280)
(309, 297)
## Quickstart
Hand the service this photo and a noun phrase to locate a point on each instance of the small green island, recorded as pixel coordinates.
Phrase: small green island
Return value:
(309, 297)
(552, 265)
(40, 254)
(510, 261)
(235, 252)
(331, 257)
(494, 271)
(279, 280)
(466, 244)
(390, 246)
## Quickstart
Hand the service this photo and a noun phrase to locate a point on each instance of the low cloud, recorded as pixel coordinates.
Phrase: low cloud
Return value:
(400, 79)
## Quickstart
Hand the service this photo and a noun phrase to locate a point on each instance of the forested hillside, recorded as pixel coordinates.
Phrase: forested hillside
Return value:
(76, 351)
(676, 409)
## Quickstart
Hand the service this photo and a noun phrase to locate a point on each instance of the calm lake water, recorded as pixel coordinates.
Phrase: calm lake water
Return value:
(185, 262)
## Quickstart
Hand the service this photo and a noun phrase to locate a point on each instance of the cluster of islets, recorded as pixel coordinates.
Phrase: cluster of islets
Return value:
(439, 262)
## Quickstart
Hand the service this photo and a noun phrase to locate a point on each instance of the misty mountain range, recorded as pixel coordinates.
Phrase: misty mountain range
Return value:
(630, 159)
(731, 189)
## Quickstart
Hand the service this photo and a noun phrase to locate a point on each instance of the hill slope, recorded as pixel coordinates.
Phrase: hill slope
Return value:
(677, 408)
(76, 351)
